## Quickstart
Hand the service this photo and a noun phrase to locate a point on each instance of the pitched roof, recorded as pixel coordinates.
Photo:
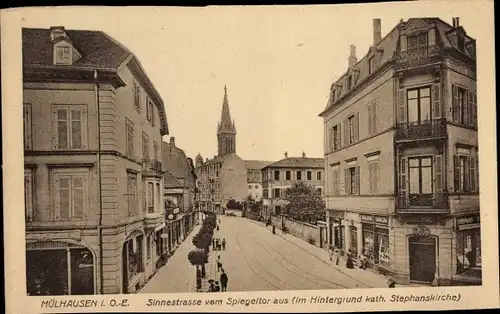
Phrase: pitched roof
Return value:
(256, 164)
(177, 164)
(219, 159)
(170, 181)
(298, 162)
(98, 50)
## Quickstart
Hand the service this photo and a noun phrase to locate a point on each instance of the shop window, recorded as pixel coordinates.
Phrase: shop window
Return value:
(134, 256)
(468, 250)
(353, 234)
(376, 244)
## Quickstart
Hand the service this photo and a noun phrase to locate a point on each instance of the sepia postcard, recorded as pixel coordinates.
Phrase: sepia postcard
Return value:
(314, 158)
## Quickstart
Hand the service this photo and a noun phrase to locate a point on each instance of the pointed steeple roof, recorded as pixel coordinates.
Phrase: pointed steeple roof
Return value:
(225, 124)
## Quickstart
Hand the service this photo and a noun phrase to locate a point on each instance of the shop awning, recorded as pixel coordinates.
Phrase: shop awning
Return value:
(160, 226)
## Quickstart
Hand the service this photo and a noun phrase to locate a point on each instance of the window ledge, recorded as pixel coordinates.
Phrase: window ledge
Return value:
(71, 165)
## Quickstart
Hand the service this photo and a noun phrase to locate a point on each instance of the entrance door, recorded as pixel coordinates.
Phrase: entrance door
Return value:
(422, 258)
(82, 272)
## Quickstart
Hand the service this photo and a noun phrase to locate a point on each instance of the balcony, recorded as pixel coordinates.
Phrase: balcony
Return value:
(429, 129)
(423, 203)
(419, 57)
(152, 165)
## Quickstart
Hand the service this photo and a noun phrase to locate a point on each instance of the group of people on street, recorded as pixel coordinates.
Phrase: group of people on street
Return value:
(214, 285)
(218, 244)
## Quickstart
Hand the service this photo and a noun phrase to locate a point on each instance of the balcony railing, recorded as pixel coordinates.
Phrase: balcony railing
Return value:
(423, 202)
(152, 165)
(419, 56)
(421, 130)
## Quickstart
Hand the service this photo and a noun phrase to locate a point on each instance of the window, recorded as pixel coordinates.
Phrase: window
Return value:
(352, 180)
(299, 175)
(133, 209)
(28, 194)
(336, 181)
(373, 177)
(276, 193)
(466, 175)
(318, 175)
(350, 124)
(460, 105)
(69, 126)
(150, 111)
(371, 65)
(418, 42)
(349, 82)
(71, 192)
(27, 126)
(288, 175)
(335, 137)
(155, 150)
(419, 105)
(137, 97)
(265, 193)
(145, 146)
(63, 55)
(309, 175)
(318, 190)
(372, 118)
(129, 134)
(158, 195)
(276, 175)
(151, 199)
(277, 210)
(420, 181)
(333, 95)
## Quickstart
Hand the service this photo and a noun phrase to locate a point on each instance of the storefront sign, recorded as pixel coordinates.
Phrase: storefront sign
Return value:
(381, 220)
(419, 219)
(366, 218)
(335, 213)
(468, 222)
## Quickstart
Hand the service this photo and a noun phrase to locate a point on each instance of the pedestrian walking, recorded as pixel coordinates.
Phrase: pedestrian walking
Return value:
(212, 286)
(337, 256)
(219, 263)
(330, 252)
(217, 244)
(217, 227)
(223, 280)
(274, 229)
(349, 262)
(391, 283)
(217, 287)
(224, 244)
(213, 243)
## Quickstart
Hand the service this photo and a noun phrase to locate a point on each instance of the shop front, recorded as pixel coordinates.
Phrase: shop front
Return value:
(337, 229)
(468, 240)
(133, 267)
(375, 240)
(59, 268)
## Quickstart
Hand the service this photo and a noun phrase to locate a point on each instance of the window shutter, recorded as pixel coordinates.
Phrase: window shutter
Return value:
(339, 128)
(356, 127)
(402, 181)
(330, 140)
(347, 185)
(370, 125)
(402, 105)
(471, 108)
(467, 174)
(375, 177)
(77, 197)
(474, 109)
(466, 109)
(374, 117)
(439, 173)
(346, 132)
(472, 174)
(436, 101)
(64, 197)
(357, 179)
(454, 106)
(456, 177)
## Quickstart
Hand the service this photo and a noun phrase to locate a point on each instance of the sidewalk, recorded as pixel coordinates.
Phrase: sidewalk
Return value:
(366, 276)
(210, 268)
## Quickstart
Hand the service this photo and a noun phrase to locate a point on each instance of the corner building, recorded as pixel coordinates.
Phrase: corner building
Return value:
(93, 127)
(401, 154)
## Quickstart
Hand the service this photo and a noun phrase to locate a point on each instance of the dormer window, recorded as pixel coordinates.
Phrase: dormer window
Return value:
(349, 82)
(371, 64)
(63, 55)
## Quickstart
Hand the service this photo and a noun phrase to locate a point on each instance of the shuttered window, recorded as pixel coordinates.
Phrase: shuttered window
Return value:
(133, 208)
(465, 173)
(372, 118)
(336, 182)
(373, 177)
(69, 127)
(462, 108)
(71, 193)
(145, 146)
(352, 180)
(129, 134)
(137, 97)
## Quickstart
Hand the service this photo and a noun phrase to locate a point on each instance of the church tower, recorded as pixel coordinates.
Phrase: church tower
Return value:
(226, 130)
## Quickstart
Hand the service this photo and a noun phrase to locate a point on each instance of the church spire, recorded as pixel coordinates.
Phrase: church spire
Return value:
(226, 129)
(226, 124)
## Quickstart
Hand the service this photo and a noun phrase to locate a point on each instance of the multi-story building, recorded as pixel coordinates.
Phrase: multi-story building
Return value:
(254, 178)
(224, 177)
(279, 176)
(94, 207)
(401, 154)
(180, 191)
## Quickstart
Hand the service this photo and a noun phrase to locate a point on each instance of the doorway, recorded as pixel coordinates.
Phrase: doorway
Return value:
(422, 258)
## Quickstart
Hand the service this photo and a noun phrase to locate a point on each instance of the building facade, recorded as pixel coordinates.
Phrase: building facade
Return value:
(254, 178)
(93, 224)
(180, 193)
(279, 176)
(223, 177)
(401, 153)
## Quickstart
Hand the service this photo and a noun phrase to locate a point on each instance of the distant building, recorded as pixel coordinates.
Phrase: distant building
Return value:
(254, 177)
(224, 177)
(93, 126)
(401, 150)
(279, 176)
(179, 184)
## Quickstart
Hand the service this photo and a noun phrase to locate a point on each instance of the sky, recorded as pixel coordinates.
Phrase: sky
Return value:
(277, 62)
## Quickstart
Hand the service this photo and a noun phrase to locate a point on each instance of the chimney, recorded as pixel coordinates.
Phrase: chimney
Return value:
(172, 141)
(303, 155)
(352, 56)
(286, 154)
(377, 31)
(456, 22)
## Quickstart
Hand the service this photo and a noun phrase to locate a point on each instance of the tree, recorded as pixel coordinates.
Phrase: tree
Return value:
(198, 258)
(304, 202)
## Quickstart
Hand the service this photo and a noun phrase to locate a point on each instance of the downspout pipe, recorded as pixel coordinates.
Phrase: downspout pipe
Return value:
(99, 222)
